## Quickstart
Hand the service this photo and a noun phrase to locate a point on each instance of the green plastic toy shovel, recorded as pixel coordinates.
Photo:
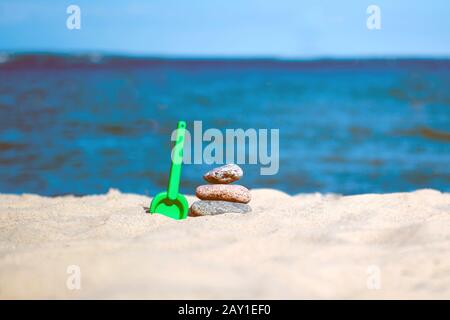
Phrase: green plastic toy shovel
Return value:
(171, 203)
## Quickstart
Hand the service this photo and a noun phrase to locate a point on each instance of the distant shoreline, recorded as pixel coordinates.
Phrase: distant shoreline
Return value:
(38, 60)
(140, 56)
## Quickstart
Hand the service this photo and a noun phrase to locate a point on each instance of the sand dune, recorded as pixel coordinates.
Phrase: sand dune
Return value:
(294, 247)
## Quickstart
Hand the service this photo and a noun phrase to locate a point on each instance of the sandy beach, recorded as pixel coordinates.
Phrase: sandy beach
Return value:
(289, 247)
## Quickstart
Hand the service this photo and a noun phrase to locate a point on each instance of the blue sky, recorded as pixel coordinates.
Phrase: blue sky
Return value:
(275, 28)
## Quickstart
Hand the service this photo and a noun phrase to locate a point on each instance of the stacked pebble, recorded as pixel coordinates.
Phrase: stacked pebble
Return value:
(220, 196)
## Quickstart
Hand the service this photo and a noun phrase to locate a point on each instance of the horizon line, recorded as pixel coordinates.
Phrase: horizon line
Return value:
(119, 54)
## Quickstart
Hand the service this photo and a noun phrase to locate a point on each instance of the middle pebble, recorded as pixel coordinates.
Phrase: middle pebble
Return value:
(225, 192)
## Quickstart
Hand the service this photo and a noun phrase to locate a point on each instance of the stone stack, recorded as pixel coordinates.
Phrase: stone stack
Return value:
(220, 196)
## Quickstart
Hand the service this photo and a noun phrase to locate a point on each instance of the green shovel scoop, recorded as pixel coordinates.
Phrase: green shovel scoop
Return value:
(171, 203)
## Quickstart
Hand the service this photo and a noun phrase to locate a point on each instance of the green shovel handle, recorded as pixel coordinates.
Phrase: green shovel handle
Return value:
(177, 160)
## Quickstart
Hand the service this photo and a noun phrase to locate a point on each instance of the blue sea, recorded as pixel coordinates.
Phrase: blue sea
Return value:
(86, 123)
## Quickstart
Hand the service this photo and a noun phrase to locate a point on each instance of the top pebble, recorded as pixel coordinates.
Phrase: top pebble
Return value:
(224, 174)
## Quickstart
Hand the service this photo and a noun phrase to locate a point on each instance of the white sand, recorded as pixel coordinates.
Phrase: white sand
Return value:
(306, 246)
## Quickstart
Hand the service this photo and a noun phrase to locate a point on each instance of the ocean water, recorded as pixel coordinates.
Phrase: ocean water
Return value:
(84, 124)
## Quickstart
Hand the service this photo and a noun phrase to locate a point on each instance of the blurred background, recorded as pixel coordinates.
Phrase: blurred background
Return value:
(359, 110)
